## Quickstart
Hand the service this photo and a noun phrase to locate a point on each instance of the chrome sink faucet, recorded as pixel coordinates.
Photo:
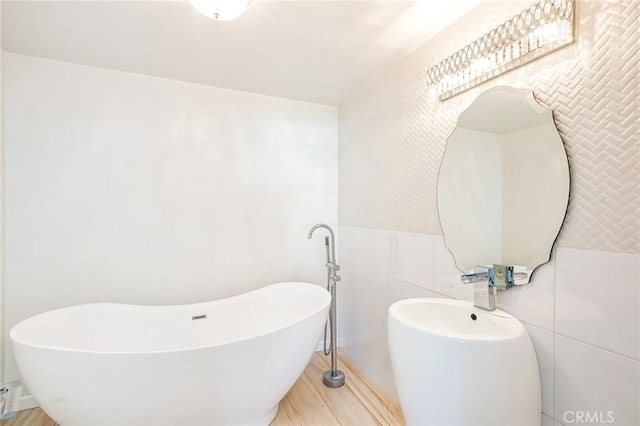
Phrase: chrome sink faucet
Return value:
(486, 284)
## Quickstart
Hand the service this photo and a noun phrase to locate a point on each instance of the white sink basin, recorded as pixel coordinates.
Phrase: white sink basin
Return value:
(455, 364)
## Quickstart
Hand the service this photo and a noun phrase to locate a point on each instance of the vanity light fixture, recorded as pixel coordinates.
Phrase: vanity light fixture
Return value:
(541, 29)
(221, 10)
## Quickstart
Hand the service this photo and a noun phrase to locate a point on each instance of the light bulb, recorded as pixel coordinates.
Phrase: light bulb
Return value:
(220, 10)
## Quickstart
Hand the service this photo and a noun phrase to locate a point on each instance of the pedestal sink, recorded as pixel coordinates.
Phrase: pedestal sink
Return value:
(455, 364)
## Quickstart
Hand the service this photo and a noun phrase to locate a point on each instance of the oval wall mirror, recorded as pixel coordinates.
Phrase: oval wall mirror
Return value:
(503, 187)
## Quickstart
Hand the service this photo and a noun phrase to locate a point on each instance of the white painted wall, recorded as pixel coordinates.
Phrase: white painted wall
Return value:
(129, 188)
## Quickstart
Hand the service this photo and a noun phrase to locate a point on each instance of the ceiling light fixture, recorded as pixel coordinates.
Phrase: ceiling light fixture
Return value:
(221, 10)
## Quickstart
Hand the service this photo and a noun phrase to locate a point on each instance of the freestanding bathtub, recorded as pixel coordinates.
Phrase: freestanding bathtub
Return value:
(224, 362)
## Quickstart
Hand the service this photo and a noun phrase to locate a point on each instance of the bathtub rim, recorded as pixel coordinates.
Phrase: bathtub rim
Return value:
(152, 307)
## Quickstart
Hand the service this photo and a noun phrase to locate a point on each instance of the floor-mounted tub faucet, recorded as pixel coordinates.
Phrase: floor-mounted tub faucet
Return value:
(332, 378)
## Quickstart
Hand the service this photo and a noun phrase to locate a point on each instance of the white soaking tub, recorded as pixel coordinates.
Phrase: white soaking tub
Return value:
(223, 362)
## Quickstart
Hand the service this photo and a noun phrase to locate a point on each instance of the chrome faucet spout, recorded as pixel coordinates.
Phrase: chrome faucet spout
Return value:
(332, 244)
(484, 289)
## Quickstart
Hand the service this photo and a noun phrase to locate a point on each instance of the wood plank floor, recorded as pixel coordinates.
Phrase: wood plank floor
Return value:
(309, 403)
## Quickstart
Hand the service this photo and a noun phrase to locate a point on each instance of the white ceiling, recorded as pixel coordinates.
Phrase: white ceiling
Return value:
(314, 51)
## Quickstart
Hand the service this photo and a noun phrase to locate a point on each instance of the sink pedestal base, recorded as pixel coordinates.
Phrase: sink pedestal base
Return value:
(455, 368)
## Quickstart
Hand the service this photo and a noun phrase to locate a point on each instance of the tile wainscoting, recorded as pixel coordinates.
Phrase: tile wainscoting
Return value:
(581, 311)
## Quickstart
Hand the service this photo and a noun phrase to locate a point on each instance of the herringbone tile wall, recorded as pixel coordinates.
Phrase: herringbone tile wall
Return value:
(393, 133)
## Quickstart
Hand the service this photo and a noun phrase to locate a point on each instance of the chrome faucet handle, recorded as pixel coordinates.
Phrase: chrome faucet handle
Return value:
(480, 276)
(332, 266)
(505, 276)
(500, 276)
